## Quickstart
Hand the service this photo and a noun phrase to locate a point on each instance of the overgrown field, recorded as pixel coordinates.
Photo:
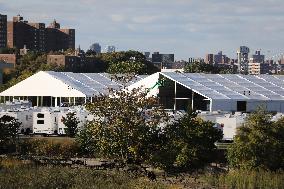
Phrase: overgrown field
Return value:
(15, 174)
(241, 179)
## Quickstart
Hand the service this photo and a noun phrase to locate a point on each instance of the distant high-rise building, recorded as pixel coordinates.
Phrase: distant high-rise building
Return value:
(3, 31)
(147, 55)
(110, 49)
(257, 57)
(218, 57)
(35, 36)
(243, 59)
(209, 58)
(96, 48)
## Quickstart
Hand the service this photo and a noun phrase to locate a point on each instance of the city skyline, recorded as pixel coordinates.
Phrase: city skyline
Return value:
(185, 28)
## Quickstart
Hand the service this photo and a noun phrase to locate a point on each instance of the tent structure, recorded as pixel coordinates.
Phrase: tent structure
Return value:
(212, 92)
(48, 88)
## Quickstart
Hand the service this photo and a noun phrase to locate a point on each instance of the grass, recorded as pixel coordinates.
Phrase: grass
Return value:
(243, 179)
(16, 174)
(64, 177)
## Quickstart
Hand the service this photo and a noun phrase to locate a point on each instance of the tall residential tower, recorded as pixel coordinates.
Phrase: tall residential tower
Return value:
(3, 31)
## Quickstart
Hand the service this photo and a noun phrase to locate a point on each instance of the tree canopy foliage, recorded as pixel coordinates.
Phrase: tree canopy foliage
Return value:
(259, 143)
(127, 62)
(197, 67)
(126, 125)
(9, 127)
(71, 122)
(189, 142)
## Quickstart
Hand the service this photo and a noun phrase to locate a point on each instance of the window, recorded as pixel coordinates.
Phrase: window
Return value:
(40, 122)
(40, 115)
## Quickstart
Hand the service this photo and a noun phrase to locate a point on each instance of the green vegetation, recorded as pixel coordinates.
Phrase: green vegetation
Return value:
(259, 143)
(27, 176)
(244, 179)
(197, 67)
(71, 122)
(124, 127)
(127, 62)
(8, 131)
(136, 127)
(190, 142)
(49, 147)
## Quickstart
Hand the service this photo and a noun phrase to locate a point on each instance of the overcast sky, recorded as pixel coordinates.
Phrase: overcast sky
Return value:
(187, 28)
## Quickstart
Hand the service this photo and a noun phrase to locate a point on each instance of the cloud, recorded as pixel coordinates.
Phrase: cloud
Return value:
(117, 17)
(145, 19)
(187, 27)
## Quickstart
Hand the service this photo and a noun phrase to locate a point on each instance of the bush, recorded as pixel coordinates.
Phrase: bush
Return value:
(189, 143)
(64, 177)
(244, 179)
(53, 147)
(259, 143)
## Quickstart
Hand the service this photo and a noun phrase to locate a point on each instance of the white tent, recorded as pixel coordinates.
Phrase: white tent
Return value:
(53, 86)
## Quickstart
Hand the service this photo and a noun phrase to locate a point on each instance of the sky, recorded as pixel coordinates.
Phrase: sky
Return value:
(187, 28)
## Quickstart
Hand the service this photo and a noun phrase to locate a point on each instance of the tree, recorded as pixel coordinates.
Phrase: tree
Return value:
(9, 127)
(126, 67)
(259, 143)
(197, 67)
(190, 142)
(132, 61)
(126, 125)
(71, 122)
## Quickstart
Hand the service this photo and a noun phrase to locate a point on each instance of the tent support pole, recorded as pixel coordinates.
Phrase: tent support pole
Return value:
(37, 101)
(74, 101)
(175, 105)
(55, 102)
(192, 100)
(41, 101)
(59, 101)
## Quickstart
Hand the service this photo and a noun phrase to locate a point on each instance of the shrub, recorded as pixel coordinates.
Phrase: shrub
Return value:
(259, 143)
(53, 147)
(244, 179)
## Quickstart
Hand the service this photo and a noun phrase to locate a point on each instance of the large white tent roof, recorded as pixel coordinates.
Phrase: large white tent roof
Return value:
(226, 86)
(64, 84)
(232, 86)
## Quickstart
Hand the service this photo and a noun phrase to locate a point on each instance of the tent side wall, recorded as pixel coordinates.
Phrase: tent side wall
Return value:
(223, 105)
(147, 83)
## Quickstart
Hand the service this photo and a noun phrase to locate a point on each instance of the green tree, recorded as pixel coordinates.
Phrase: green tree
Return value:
(189, 142)
(131, 61)
(126, 125)
(9, 127)
(71, 122)
(126, 67)
(197, 67)
(259, 143)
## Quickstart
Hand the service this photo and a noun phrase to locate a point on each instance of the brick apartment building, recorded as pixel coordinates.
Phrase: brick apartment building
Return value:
(9, 58)
(77, 63)
(35, 36)
(59, 39)
(3, 31)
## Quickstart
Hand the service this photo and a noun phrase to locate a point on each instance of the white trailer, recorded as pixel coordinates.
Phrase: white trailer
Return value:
(229, 125)
(45, 122)
(25, 116)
